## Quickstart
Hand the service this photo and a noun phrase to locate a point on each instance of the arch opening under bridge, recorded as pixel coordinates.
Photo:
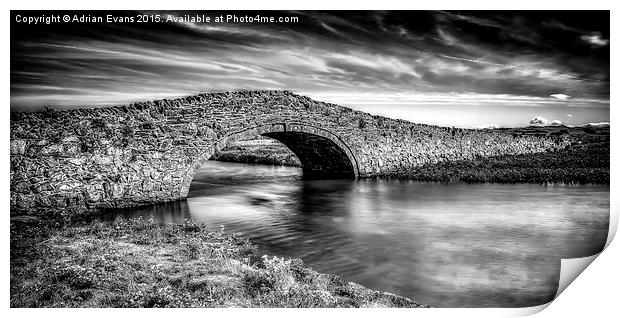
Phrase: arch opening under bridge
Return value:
(323, 155)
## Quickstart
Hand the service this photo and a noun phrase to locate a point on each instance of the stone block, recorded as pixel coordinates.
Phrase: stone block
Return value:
(18, 146)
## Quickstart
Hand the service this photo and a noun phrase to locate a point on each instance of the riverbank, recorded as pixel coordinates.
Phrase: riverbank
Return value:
(583, 164)
(139, 263)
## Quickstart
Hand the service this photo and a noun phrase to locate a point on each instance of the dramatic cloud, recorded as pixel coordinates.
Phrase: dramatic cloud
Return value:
(556, 123)
(448, 63)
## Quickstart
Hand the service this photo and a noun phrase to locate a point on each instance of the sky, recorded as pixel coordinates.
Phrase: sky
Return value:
(464, 69)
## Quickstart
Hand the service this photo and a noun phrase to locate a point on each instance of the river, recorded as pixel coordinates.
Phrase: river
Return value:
(446, 245)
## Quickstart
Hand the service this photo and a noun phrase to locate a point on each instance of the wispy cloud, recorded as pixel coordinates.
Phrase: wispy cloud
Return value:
(420, 59)
(595, 39)
(560, 96)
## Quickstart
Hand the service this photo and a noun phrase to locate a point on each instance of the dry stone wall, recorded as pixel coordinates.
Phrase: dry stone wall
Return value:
(148, 152)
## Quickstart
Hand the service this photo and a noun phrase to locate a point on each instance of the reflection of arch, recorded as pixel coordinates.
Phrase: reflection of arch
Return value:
(322, 154)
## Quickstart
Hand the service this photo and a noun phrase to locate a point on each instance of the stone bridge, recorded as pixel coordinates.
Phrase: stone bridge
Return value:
(148, 152)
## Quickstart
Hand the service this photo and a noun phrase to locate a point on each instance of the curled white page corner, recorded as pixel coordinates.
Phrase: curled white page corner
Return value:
(613, 225)
(570, 268)
(526, 311)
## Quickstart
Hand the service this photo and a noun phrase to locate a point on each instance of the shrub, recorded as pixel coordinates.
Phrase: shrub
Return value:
(49, 112)
(361, 123)
(257, 282)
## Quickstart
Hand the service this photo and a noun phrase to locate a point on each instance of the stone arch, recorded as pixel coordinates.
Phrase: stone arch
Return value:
(323, 154)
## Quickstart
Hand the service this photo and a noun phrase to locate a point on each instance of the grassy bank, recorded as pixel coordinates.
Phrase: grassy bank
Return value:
(138, 263)
(581, 164)
(276, 154)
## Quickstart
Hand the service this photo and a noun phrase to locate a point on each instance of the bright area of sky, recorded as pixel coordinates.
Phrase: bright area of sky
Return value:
(464, 69)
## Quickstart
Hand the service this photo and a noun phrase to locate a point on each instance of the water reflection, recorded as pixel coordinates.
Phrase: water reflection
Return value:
(168, 213)
(448, 245)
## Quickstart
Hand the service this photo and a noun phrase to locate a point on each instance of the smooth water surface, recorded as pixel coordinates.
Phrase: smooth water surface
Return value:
(446, 245)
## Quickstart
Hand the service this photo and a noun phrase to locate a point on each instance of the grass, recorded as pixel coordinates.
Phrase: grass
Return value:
(139, 263)
(581, 164)
(276, 154)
